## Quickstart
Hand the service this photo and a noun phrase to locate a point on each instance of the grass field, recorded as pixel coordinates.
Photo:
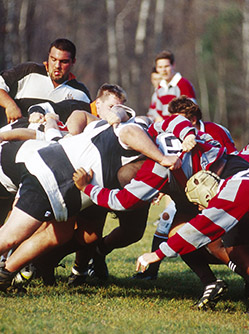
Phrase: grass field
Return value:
(122, 305)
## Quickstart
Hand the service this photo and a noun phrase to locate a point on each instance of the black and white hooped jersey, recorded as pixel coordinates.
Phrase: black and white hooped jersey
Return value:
(29, 84)
(97, 148)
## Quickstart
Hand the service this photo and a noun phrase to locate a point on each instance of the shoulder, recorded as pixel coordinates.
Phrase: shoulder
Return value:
(186, 87)
(80, 86)
(211, 126)
(184, 82)
(32, 67)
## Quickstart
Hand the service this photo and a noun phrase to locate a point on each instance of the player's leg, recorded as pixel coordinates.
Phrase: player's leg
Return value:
(90, 227)
(17, 228)
(54, 234)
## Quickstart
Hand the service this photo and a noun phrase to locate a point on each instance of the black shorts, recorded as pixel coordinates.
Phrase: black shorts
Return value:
(33, 199)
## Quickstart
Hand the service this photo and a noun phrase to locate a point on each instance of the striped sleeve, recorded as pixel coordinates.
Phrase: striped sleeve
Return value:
(148, 182)
(180, 126)
(223, 213)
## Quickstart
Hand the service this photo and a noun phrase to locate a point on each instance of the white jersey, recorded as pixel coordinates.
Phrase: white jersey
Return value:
(53, 163)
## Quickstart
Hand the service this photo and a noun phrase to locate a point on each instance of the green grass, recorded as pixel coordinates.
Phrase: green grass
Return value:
(122, 305)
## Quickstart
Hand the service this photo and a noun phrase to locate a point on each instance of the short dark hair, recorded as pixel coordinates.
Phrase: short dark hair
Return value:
(166, 54)
(154, 70)
(185, 105)
(64, 44)
(107, 89)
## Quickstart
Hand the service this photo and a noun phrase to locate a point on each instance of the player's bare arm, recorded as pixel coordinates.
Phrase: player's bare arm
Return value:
(137, 139)
(12, 111)
(17, 134)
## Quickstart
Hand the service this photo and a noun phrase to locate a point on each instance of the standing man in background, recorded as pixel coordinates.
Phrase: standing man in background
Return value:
(31, 83)
(172, 84)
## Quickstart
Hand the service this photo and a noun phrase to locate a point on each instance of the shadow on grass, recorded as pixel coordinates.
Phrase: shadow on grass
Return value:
(184, 285)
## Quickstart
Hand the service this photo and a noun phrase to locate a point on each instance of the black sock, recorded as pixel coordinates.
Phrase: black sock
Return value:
(197, 262)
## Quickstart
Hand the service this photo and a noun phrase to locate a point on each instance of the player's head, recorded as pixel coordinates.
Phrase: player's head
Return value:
(64, 44)
(165, 65)
(108, 96)
(185, 106)
(110, 89)
(202, 187)
(61, 58)
(155, 77)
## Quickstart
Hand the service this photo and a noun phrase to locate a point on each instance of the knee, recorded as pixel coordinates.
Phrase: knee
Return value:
(133, 235)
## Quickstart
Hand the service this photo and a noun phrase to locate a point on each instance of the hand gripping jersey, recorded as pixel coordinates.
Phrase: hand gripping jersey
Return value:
(53, 163)
(152, 177)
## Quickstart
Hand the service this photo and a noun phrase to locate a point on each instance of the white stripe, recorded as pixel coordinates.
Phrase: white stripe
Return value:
(193, 236)
(220, 218)
(141, 190)
(161, 171)
(113, 202)
(39, 168)
(167, 251)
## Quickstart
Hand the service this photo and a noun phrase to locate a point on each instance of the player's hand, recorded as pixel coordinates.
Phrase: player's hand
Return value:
(51, 116)
(171, 161)
(113, 119)
(144, 260)
(188, 143)
(13, 113)
(36, 117)
(156, 200)
(81, 178)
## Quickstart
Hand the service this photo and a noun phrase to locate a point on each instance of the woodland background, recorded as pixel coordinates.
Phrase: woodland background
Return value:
(117, 41)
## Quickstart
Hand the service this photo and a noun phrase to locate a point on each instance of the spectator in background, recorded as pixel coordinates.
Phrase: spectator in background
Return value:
(155, 78)
(172, 84)
(31, 83)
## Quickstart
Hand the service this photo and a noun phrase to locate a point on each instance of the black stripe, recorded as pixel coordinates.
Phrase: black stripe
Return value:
(111, 152)
(56, 159)
(8, 157)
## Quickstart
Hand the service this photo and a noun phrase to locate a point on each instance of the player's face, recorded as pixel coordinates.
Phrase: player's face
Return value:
(165, 69)
(104, 105)
(155, 79)
(59, 65)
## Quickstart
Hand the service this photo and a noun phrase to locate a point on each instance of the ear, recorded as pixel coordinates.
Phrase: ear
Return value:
(194, 120)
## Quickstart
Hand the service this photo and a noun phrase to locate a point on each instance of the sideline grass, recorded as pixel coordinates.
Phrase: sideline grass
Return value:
(123, 306)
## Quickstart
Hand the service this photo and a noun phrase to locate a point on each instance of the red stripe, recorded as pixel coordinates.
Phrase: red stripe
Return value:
(179, 245)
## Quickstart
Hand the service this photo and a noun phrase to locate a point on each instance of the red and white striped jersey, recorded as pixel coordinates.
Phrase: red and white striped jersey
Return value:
(219, 133)
(223, 213)
(175, 88)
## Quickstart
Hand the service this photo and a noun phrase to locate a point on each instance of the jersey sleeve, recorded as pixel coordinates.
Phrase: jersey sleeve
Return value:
(179, 125)
(150, 179)
(186, 88)
(223, 213)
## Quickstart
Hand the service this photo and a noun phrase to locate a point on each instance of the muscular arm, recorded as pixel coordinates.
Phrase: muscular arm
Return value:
(12, 111)
(78, 120)
(137, 139)
(17, 134)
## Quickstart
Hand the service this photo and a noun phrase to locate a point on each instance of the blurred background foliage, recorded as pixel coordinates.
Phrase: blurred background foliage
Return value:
(117, 41)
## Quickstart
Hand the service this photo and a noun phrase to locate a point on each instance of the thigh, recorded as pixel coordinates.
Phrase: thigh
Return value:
(18, 227)
(239, 234)
(90, 224)
(133, 220)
